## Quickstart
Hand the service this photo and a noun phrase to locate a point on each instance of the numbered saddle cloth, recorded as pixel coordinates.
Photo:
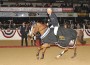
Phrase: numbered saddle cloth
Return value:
(65, 35)
(63, 38)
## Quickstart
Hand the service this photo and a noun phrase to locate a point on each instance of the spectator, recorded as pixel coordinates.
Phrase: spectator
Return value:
(14, 26)
(72, 25)
(78, 26)
(24, 31)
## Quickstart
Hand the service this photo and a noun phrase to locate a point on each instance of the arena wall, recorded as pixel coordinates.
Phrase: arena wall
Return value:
(15, 34)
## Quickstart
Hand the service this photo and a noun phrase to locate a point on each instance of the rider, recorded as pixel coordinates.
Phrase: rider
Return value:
(53, 20)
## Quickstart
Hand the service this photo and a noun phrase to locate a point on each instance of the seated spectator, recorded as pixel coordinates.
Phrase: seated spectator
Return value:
(31, 5)
(78, 26)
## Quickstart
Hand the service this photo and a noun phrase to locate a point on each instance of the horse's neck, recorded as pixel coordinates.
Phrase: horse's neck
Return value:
(42, 29)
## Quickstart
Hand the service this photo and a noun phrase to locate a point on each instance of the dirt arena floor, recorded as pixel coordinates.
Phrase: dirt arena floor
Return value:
(11, 53)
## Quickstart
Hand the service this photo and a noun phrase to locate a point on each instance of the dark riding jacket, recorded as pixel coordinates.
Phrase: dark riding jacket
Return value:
(53, 20)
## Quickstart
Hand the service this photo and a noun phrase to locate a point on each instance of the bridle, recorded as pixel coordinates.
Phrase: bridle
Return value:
(38, 28)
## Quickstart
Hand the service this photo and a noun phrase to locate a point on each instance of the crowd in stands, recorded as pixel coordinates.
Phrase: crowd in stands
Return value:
(82, 8)
(77, 7)
(73, 24)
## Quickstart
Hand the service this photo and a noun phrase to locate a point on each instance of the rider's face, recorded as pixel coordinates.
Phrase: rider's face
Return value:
(23, 24)
(49, 11)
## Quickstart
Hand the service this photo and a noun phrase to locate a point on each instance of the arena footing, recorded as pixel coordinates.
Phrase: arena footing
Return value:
(35, 46)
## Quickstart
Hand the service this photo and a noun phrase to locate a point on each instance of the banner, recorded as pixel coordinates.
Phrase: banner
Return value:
(83, 14)
(35, 14)
(66, 14)
(71, 14)
(14, 14)
(27, 9)
(67, 9)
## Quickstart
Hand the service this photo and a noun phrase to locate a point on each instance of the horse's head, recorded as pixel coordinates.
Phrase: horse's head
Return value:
(34, 29)
(37, 27)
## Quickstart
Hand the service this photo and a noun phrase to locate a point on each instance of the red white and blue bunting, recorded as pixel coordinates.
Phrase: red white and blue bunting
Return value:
(18, 31)
(8, 33)
(87, 31)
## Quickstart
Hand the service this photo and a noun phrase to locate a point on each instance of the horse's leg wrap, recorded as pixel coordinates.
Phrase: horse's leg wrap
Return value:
(62, 53)
(66, 49)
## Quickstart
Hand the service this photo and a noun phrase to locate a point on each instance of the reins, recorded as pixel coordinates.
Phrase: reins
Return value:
(41, 29)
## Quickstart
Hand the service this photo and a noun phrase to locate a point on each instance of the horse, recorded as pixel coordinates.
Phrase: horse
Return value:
(48, 38)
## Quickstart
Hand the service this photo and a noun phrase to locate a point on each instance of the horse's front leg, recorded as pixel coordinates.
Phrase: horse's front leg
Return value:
(44, 46)
(43, 52)
(37, 54)
(65, 50)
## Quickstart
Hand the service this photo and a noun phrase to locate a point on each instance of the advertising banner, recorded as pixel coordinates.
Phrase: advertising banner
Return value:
(27, 9)
(67, 9)
(83, 14)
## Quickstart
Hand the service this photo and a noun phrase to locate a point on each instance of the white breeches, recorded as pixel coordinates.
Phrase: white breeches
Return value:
(55, 29)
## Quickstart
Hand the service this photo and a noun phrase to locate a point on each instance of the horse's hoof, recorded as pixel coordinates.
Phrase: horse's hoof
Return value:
(42, 57)
(58, 56)
(37, 57)
(74, 55)
(37, 54)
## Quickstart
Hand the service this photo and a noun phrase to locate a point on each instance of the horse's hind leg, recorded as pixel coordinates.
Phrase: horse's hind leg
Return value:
(75, 48)
(65, 50)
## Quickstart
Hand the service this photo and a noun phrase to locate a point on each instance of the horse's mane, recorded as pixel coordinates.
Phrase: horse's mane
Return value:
(41, 23)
